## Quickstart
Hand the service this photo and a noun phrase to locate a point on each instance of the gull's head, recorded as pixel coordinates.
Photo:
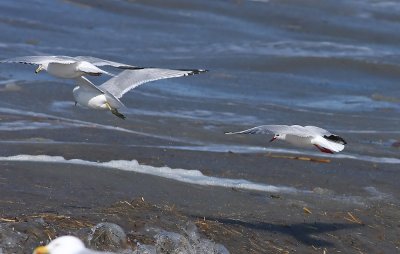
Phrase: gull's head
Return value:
(278, 136)
(62, 245)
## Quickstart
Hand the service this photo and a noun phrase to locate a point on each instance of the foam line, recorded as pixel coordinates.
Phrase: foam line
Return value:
(79, 123)
(260, 149)
(178, 174)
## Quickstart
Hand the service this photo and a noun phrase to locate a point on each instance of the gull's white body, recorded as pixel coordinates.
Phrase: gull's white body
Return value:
(66, 245)
(63, 245)
(74, 70)
(90, 98)
(298, 141)
(69, 67)
(107, 95)
(303, 136)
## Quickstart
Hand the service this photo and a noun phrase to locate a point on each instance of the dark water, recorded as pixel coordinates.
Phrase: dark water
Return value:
(333, 64)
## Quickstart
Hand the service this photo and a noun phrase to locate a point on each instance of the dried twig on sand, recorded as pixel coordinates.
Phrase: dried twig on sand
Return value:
(301, 158)
(352, 218)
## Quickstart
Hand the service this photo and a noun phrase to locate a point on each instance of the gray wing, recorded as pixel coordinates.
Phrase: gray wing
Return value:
(276, 129)
(87, 84)
(317, 130)
(130, 79)
(37, 60)
(101, 62)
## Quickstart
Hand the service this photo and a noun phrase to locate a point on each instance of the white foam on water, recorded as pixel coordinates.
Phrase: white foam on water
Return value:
(260, 149)
(7, 81)
(377, 194)
(297, 48)
(392, 5)
(177, 174)
(79, 124)
(204, 115)
(348, 103)
(62, 106)
(28, 125)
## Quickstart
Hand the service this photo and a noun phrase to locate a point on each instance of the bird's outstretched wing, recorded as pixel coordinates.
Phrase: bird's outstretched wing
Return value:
(87, 84)
(277, 129)
(37, 60)
(317, 130)
(101, 62)
(130, 79)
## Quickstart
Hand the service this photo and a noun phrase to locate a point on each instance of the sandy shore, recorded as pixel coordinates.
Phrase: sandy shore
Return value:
(363, 220)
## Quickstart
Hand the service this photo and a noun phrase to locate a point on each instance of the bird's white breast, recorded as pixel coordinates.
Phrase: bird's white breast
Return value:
(90, 98)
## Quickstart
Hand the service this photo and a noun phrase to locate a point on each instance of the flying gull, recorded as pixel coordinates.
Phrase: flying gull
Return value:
(69, 67)
(306, 136)
(107, 95)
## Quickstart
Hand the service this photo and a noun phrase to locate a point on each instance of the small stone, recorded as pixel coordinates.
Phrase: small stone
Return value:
(107, 236)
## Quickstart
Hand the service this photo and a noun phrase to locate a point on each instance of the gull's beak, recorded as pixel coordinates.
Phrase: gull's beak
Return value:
(38, 69)
(272, 139)
(41, 250)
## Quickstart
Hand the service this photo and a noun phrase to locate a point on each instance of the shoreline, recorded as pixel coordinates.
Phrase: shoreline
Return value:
(302, 222)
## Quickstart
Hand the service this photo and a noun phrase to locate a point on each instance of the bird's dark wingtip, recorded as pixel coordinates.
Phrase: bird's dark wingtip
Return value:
(128, 67)
(336, 139)
(193, 71)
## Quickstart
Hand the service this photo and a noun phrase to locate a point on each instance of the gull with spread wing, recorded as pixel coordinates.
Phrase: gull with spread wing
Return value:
(69, 67)
(305, 136)
(107, 95)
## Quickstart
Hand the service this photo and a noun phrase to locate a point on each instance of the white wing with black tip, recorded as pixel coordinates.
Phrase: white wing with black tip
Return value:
(129, 79)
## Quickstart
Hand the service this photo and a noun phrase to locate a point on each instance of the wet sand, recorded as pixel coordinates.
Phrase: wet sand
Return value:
(243, 221)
